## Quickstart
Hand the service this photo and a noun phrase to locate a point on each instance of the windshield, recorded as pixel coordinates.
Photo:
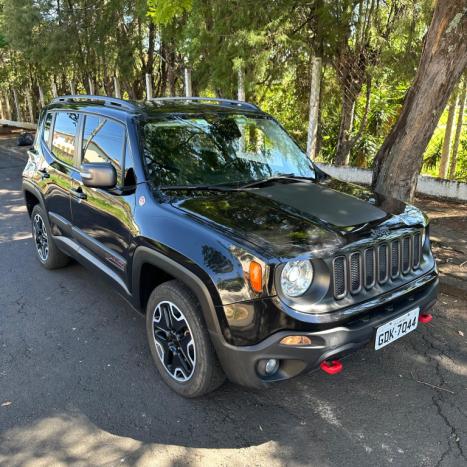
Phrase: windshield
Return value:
(220, 149)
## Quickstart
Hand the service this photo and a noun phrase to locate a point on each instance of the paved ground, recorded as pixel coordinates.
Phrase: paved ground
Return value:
(448, 235)
(77, 385)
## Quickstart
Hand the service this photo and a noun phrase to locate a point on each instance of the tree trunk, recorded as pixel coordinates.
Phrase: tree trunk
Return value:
(41, 96)
(171, 72)
(117, 91)
(163, 68)
(63, 84)
(151, 41)
(91, 85)
(54, 88)
(19, 115)
(241, 84)
(343, 140)
(148, 86)
(311, 142)
(443, 166)
(137, 89)
(30, 105)
(443, 60)
(457, 136)
(9, 115)
(188, 92)
(2, 113)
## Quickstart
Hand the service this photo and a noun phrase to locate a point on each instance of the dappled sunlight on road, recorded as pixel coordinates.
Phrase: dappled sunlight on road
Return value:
(16, 236)
(62, 439)
(65, 439)
(12, 221)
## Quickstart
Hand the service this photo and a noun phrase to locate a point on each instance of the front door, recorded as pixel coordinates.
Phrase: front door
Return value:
(102, 218)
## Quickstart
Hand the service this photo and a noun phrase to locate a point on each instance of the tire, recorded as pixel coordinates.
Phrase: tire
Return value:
(48, 254)
(185, 356)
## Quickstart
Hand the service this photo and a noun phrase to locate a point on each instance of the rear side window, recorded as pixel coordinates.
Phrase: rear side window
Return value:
(103, 141)
(46, 128)
(64, 136)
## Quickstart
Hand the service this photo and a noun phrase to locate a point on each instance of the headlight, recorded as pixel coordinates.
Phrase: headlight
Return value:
(296, 277)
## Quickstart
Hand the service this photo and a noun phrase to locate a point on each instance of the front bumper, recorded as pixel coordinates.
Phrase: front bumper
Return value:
(240, 363)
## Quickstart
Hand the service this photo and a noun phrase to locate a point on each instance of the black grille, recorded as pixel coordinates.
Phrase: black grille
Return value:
(405, 261)
(416, 250)
(382, 264)
(386, 260)
(369, 268)
(339, 277)
(395, 258)
(355, 272)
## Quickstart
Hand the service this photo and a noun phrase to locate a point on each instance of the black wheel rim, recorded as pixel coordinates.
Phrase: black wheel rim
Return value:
(40, 237)
(174, 341)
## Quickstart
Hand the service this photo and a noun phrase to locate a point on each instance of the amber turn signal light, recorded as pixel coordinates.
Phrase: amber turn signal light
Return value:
(256, 276)
(296, 340)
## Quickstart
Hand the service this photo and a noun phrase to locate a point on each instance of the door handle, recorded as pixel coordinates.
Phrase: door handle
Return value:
(78, 193)
(44, 173)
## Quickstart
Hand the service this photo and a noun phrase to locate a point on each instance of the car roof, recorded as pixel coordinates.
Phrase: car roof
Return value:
(152, 108)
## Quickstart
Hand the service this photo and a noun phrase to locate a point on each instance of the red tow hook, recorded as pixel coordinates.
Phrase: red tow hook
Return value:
(425, 318)
(331, 367)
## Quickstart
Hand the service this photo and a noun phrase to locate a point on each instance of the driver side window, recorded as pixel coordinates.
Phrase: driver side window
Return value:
(103, 141)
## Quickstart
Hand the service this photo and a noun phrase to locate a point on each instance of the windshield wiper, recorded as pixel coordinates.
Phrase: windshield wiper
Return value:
(195, 188)
(291, 177)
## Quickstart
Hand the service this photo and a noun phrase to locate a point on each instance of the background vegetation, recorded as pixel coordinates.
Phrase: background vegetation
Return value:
(369, 49)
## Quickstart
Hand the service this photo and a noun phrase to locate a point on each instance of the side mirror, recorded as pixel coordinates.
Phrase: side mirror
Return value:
(99, 175)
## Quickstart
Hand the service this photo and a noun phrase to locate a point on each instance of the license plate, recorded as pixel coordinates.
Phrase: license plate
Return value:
(396, 328)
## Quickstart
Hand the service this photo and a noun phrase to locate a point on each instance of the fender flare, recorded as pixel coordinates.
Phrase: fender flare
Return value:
(145, 255)
(31, 188)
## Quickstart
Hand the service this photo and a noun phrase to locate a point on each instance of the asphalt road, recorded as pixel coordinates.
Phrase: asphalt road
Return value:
(77, 386)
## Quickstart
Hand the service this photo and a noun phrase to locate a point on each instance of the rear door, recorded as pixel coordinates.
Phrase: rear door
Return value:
(59, 148)
(102, 218)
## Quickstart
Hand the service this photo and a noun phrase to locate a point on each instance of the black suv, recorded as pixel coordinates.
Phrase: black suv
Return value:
(248, 260)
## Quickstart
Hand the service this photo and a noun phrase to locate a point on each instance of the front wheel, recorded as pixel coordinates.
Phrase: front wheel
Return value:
(47, 252)
(179, 341)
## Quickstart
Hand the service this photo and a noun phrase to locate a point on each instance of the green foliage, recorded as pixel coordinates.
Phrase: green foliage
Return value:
(461, 167)
(163, 12)
(432, 155)
(272, 42)
(72, 40)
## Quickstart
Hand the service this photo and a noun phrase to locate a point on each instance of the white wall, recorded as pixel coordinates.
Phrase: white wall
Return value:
(25, 125)
(426, 185)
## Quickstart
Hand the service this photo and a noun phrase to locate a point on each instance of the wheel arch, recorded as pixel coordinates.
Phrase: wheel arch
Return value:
(172, 269)
(33, 196)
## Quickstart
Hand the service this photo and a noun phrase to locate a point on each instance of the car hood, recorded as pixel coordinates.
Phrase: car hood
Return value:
(303, 217)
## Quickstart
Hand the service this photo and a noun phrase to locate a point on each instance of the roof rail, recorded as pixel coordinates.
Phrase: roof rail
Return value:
(105, 100)
(219, 100)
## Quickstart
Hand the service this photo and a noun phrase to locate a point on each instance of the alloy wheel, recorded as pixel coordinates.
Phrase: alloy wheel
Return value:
(174, 341)
(40, 237)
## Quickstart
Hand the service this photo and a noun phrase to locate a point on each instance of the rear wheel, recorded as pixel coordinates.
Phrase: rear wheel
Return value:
(179, 341)
(47, 252)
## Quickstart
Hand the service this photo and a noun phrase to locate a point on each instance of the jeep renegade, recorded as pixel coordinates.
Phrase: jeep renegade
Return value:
(247, 259)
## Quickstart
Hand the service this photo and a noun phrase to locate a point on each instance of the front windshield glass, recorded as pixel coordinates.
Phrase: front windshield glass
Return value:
(220, 149)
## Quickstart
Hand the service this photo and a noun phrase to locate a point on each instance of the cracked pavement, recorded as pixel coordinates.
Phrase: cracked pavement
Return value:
(77, 386)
